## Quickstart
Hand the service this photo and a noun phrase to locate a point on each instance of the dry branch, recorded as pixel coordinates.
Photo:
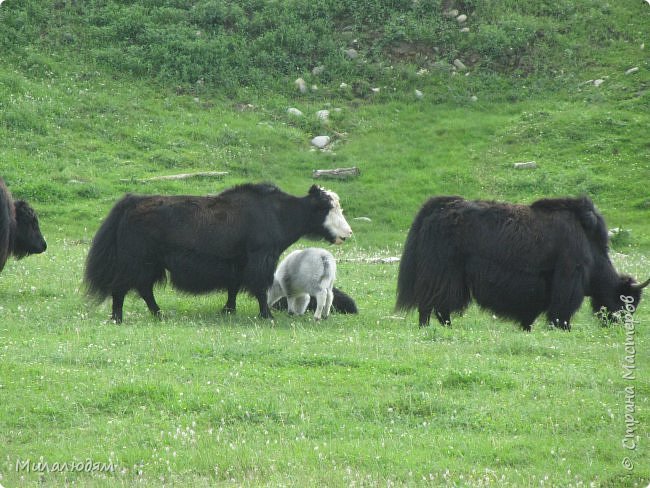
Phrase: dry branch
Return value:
(183, 176)
(340, 173)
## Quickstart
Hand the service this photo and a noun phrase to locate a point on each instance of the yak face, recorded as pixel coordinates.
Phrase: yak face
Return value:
(333, 225)
(29, 239)
(624, 299)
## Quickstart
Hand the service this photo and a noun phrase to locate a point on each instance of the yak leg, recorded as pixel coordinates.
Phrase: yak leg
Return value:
(258, 278)
(297, 304)
(328, 303)
(118, 305)
(231, 303)
(424, 310)
(443, 317)
(567, 294)
(321, 299)
(147, 295)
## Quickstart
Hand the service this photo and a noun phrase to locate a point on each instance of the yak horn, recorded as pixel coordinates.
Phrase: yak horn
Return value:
(641, 286)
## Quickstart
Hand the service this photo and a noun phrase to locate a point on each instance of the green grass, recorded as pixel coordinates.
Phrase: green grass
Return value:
(201, 399)
(366, 399)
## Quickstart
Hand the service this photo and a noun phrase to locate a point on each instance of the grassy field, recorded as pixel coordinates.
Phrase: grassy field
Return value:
(201, 399)
(365, 400)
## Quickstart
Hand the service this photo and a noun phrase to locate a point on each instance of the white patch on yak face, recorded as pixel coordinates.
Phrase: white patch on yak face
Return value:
(335, 222)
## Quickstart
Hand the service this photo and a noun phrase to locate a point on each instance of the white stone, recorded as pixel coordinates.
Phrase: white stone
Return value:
(450, 14)
(320, 142)
(459, 64)
(301, 85)
(599, 82)
(632, 70)
(351, 53)
(363, 219)
(474, 98)
(418, 94)
(294, 111)
(375, 90)
(318, 70)
(461, 18)
(465, 29)
(323, 114)
(343, 86)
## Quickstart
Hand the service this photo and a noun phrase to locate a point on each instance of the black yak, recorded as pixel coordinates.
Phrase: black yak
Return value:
(515, 260)
(230, 241)
(20, 234)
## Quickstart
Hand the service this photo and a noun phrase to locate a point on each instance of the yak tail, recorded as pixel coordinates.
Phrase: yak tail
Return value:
(408, 267)
(418, 257)
(101, 264)
(342, 302)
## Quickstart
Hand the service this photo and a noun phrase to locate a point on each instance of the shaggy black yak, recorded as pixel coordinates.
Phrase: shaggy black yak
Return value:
(20, 234)
(515, 260)
(230, 241)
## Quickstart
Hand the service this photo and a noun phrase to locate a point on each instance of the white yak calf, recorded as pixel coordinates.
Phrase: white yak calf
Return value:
(302, 274)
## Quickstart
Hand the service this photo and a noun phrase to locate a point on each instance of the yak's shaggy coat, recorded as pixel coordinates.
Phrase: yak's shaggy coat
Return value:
(515, 260)
(303, 274)
(230, 241)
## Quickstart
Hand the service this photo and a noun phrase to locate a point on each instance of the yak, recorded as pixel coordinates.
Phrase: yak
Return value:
(229, 241)
(20, 234)
(514, 260)
(303, 274)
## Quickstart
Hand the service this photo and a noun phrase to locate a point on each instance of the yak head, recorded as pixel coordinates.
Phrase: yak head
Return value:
(28, 238)
(329, 222)
(623, 299)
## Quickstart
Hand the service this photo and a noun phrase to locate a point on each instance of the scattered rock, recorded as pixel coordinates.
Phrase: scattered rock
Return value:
(599, 82)
(632, 70)
(459, 64)
(294, 111)
(318, 70)
(344, 86)
(474, 98)
(450, 14)
(465, 29)
(323, 115)
(525, 165)
(314, 88)
(461, 18)
(363, 219)
(321, 142)
(422, 72)
(301, 85)
(418, 94)
(351, 53)
(375, 90)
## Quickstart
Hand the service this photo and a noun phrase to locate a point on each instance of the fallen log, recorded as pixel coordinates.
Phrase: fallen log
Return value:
(339, 173)
(181, 176)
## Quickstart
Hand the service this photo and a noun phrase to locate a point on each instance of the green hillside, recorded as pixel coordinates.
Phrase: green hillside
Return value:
(425, 97)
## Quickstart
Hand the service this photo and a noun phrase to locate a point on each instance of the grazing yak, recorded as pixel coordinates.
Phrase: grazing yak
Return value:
(515, 260)
(20, 234)
(304, 274)
(230, 241)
